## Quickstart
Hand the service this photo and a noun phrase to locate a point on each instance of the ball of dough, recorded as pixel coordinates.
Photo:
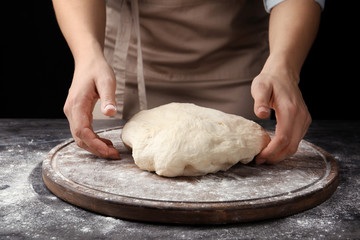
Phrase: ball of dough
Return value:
(182, 139)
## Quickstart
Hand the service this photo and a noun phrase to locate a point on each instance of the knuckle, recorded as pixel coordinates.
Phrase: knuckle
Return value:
(283, 140)
(66, 111)
(66, 108)
(105, 81)
(258, 86)
(261, 87)
(80, 143)
(79, 133)
(304, 113)
(309, 119)
(106, 99)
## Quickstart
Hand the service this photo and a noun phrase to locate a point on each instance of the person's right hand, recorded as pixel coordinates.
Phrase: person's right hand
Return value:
(93, 79)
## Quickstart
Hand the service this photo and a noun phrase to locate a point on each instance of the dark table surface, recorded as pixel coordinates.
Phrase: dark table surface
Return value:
(29, 211)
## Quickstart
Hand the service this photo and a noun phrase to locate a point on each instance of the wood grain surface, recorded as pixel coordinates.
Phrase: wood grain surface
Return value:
(241, 194)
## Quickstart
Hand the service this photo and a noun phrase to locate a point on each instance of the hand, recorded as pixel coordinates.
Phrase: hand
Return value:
(93, 79)
(280, 91)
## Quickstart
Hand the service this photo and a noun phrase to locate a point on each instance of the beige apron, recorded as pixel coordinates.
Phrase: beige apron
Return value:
(202, 51)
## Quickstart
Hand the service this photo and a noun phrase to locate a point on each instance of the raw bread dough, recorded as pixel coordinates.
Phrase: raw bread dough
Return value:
(182, 139)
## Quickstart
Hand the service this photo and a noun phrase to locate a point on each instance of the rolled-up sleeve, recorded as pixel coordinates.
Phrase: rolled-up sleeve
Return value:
(269, 4)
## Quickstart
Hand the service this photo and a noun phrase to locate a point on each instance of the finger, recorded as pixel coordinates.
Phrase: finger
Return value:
(269, 153)
(289, 130)
(262, 96)
(283, 134)
(284, 153)
(100, 147)
(80, 126)
(106, 89)
(287, 138)
(307, 123)
(286, 131)
(113, 153)
(106, 141)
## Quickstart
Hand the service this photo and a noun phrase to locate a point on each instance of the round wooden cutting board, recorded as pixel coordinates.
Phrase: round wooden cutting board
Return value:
(243, 193)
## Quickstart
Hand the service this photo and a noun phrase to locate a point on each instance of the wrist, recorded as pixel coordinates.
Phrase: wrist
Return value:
(88, 51)
(279, 65)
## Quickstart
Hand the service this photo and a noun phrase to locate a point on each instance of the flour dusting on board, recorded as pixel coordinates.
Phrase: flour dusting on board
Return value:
(239, 183)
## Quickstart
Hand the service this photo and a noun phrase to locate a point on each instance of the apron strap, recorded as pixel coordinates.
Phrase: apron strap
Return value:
(140, 68)
(122, 19)
(120, 51)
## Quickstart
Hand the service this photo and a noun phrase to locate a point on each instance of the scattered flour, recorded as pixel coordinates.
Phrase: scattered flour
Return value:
(240, 183)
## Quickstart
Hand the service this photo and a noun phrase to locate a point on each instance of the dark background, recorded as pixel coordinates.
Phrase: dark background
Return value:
(37, 66)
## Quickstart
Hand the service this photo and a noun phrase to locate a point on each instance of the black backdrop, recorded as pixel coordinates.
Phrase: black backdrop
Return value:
(37, 66)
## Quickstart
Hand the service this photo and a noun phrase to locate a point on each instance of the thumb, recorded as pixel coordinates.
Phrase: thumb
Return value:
(106, 90)
(262, 95)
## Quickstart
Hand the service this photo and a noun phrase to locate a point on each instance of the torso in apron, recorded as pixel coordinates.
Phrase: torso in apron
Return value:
(202, 51)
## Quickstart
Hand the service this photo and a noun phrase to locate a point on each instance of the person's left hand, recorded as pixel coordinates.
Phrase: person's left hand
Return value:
(280, 91)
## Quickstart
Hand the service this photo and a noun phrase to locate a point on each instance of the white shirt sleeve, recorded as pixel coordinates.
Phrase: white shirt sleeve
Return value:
(269, 4)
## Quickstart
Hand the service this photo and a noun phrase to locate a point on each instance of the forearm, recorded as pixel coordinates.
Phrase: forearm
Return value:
(292, 30)
(82, 23)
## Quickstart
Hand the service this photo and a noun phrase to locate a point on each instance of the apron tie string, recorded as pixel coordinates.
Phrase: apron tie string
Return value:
(140, 68)
(125, 19)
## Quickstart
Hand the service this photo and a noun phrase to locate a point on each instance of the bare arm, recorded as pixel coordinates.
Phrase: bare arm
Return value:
(83, 25)
(292, 30)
